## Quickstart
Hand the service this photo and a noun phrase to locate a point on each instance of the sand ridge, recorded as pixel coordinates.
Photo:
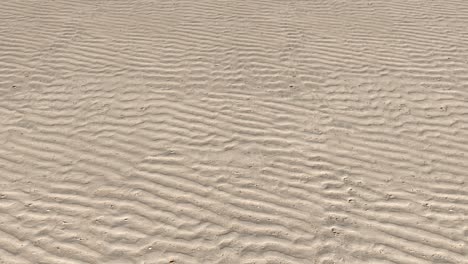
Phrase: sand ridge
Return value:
(215, 131)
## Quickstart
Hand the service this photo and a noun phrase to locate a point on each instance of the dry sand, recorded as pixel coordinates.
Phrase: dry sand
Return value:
(282, 131)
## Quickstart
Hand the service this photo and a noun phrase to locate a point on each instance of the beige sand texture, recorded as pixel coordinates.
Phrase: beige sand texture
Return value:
(249, 131)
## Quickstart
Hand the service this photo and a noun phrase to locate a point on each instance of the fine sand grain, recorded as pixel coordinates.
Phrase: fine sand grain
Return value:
(216, 131)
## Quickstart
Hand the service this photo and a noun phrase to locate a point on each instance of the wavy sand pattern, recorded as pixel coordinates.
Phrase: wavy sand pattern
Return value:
(215, 131)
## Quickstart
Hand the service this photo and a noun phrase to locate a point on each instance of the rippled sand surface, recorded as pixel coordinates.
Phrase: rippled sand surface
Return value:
(250, 132)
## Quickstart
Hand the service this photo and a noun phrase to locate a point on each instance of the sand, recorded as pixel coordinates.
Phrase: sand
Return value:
(215, 131)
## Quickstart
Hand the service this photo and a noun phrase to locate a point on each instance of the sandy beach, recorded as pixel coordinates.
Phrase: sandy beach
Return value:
(233, 132)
